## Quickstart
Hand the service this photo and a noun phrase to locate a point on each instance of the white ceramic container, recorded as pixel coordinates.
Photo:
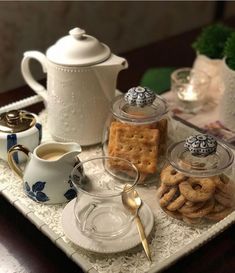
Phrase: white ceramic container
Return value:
(81, 82)
(46, 177)
(227, 102)
(212, 68)
(19, 127)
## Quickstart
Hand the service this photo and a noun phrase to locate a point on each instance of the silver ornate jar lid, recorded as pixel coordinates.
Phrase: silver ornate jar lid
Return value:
(139, 105)
(200, 155)
(201, 145)
(140, 96)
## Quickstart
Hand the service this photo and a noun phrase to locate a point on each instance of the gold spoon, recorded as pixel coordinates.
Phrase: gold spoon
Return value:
(132, 202)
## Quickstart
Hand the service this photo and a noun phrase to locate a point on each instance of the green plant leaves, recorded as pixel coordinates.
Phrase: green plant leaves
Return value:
(229, 51)
(212, 40)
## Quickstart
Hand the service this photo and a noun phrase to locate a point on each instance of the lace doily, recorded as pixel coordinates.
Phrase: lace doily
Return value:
(168, 237)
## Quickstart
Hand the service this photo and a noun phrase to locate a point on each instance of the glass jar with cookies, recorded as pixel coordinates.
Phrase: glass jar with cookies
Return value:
(196, 183)
(137, 130)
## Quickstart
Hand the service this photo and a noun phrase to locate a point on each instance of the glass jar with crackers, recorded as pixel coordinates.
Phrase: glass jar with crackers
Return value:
(196, 182)
(137, 130)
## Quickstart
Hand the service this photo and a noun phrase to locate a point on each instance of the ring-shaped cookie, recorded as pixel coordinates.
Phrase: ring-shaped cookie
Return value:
(219, 183)
(162, 190)
(207, 189)
(207, 208)
(218, 207)
(171, 177)
(224, 200)
(174, 214)
(188, 209)
(192, 221)
(167, 197)
(177, 203)
(224, 185)
(217, 216)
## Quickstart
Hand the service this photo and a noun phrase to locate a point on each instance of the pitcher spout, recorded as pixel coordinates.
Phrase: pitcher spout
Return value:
(71, 149)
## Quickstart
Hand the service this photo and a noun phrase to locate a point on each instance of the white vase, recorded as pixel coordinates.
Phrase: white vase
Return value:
(212, 67)
(227, 103)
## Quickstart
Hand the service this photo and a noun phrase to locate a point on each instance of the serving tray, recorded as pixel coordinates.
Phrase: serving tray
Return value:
(206, 120)
(170, 239)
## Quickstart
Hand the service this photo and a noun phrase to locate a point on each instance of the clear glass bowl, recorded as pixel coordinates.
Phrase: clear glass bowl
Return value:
(98, 209)
(190, 87)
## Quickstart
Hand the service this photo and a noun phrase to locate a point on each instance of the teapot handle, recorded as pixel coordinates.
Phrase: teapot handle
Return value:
(12, 163)
(27, 75)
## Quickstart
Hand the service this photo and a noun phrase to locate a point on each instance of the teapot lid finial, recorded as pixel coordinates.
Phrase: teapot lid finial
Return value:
(77, 32)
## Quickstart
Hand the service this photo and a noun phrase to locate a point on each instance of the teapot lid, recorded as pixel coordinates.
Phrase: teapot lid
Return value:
(200, 155)
(16, 121)
(78, 48)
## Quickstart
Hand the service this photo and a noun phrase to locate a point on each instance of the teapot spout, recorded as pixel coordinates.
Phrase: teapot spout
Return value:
(107, 73)
(116, 62)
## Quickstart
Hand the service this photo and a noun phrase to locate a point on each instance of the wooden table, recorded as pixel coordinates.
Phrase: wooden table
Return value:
(23, 247)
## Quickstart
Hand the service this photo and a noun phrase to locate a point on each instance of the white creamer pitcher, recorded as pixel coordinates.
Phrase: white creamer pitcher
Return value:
(81, 82)
(46, 176)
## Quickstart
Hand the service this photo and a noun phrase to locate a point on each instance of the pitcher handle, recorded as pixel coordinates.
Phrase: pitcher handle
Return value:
(27, 75)
(12, 163)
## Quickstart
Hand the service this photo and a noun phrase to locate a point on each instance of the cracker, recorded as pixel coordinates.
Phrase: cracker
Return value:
(136, 144)
(112, 136)
(161, 125)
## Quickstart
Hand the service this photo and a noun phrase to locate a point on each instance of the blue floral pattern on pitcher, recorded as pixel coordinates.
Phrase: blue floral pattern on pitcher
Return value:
(71, 193)
(36, 192)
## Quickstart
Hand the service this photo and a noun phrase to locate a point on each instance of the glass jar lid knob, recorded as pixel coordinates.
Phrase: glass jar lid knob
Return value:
(201, 145)
(140, 96)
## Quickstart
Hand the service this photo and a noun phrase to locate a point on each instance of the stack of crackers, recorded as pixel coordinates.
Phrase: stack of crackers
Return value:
(139, 144)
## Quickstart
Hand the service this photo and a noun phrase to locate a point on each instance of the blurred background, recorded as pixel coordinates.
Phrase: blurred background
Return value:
(122, 25)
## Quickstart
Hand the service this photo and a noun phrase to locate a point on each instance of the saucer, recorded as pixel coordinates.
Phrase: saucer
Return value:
(114, 245)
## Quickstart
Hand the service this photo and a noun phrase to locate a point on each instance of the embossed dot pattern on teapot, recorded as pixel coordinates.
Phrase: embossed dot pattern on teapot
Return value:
(81, 82)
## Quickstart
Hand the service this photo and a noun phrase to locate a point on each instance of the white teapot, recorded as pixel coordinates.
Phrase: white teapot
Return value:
(81, 82)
